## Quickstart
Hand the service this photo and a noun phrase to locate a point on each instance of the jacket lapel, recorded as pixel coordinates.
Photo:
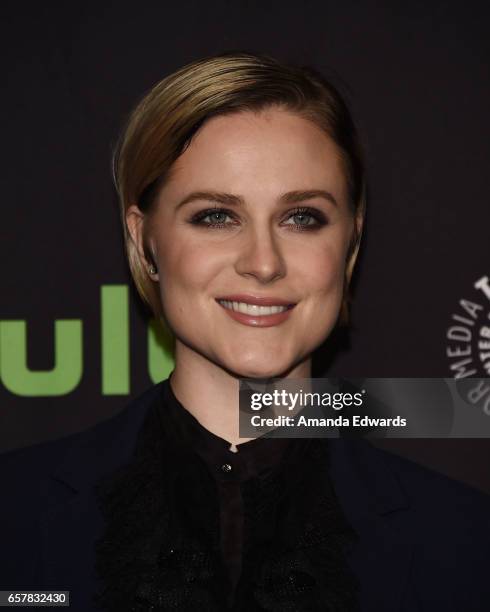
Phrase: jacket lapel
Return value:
(378, 510)
(71, 521)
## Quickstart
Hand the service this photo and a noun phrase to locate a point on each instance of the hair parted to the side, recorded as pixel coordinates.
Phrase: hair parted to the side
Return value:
(165, 120)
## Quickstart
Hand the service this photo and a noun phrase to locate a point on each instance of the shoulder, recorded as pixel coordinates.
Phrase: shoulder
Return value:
(386, 473)
(421, 501)
(29, 464)
(450, 523)
(48, 497)
(429, 490)
(449, 520)
(441, 524)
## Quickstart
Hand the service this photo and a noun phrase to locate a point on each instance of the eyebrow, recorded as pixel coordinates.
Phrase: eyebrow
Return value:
(229, 199)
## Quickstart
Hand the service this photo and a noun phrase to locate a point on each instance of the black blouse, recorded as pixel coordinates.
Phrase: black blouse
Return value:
(230, 470)
(192, 526)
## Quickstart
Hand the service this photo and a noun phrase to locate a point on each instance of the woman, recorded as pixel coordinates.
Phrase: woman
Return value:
(242, 192)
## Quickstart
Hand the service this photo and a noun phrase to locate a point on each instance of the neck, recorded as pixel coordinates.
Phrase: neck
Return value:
(210, 392)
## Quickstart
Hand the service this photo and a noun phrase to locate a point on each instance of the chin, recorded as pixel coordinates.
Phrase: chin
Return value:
(256, 369)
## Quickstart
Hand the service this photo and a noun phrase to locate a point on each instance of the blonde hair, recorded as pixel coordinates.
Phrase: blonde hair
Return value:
(163, 123)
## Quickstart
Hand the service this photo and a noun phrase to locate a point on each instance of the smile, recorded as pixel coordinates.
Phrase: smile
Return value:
(256, 315)
(252, 309)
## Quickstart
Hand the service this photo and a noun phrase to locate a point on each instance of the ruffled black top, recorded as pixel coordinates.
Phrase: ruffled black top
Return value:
(191, 525)
(230, 470)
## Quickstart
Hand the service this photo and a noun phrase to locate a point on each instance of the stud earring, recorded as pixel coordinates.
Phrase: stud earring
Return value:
(152, 270)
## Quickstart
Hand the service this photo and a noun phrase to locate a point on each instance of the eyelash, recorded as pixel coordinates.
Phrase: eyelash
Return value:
(198, 218)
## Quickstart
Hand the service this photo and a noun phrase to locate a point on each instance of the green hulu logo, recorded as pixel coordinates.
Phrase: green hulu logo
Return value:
(67, 372)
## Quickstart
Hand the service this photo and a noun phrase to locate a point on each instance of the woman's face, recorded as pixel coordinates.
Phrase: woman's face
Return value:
(255, 209)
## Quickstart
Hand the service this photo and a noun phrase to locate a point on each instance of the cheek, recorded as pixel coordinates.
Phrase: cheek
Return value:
(323, 283)
(185, 266)
(322, 270)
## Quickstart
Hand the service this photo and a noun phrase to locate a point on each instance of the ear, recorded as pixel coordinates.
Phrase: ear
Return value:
(135, 223)
(358, 225)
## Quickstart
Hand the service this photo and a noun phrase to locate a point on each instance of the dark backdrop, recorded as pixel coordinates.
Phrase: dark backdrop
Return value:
(416, 77)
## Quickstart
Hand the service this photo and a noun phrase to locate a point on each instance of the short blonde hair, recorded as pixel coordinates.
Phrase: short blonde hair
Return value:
(163, 123)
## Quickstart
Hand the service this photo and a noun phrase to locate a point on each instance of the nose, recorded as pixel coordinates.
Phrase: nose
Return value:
(260, 256)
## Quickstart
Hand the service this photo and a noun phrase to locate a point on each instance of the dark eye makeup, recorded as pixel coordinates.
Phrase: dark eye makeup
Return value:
(308, 219)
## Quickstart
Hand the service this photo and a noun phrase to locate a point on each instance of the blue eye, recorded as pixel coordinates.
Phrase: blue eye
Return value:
(303, 218)
(217, 218)
(306, 219)
(213, 217)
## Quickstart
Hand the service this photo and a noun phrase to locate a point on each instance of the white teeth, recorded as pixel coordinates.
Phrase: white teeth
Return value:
(252, 309)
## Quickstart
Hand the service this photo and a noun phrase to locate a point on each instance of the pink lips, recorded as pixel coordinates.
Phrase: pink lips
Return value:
(255, 299)
(257, 320)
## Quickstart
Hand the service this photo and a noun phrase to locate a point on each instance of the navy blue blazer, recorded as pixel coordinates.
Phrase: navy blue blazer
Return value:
(424, 540)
